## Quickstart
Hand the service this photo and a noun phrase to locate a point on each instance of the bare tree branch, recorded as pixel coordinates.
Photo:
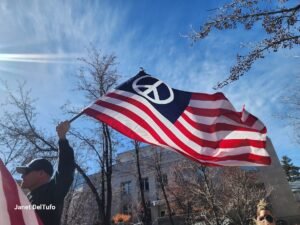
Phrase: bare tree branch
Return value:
(280, 23)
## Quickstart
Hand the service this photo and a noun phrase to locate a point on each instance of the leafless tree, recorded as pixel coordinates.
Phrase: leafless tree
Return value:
(216, 195)
(208, 192)
(184, 191)
(23, 140)
(278, 18)
(205, 192)
(242, 192)
(97, 76)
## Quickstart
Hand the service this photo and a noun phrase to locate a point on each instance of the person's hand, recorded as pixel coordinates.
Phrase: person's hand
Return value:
(62, 128)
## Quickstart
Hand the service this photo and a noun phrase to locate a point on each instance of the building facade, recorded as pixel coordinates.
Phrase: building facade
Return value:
(126, 191)
(126, 194)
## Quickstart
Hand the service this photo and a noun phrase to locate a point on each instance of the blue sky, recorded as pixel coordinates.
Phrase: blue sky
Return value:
(148, 34)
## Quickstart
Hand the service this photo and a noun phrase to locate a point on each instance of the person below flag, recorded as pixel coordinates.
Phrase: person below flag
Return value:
(48, 188)
(203, 127)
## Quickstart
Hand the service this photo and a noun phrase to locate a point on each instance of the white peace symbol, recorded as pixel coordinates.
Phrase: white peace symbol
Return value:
(152, 88)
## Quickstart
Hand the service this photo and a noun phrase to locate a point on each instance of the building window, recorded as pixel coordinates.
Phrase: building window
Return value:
(145, 184)
(126, 187)
(163, 179)
(126, 209)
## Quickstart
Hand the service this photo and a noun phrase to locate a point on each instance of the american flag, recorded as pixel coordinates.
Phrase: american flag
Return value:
(203, 127)
(12, 196)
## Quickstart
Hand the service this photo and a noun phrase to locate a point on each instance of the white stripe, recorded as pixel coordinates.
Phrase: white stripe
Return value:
(205, 120)
(213, 120)
(29, 216)
(258, 125)
(218, 104)
(238, 163)
(223, 135)
(221, 152)
(4, 216)
(232, 163)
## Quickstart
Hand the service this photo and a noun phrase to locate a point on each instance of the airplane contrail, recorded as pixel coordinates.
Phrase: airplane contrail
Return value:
(40, 58)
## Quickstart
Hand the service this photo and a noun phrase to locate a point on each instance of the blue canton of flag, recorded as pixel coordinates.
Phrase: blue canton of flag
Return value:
(167, 101)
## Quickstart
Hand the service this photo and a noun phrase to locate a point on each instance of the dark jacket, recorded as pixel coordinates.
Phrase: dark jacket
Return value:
(52, 194)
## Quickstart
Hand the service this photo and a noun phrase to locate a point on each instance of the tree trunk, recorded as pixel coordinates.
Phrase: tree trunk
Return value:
(146, 215)
(108, 174)
(162, 185)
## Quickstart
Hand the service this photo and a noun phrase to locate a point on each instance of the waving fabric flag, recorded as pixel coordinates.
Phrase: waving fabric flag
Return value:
(12, 199)
(202, 127)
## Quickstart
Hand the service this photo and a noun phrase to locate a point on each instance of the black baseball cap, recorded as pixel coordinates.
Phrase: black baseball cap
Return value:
(35, 165)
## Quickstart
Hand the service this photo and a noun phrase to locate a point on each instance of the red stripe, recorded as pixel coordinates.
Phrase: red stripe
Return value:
(132, 116)
(215, 127)
(12, 196)
(170, 134)
(208, 97)
(250, 120)
(264, 130)
(195, 159)
(236, 116)
(227, 143)
(114, 124)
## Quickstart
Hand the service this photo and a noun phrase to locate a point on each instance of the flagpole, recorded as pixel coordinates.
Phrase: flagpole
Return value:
(75, 117)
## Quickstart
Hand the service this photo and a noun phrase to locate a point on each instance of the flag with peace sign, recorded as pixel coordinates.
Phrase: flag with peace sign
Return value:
(203, 127)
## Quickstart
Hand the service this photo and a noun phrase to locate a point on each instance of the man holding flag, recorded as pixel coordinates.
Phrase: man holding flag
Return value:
(47, 193)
